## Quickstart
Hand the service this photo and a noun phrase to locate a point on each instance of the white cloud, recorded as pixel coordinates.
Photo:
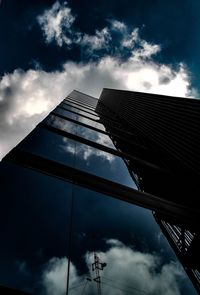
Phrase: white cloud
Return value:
(130, 40)
(127, 270)
(98, 41)
(85, 152)
(56, 23)
(118, 26)
(54, 277)
(27, 96)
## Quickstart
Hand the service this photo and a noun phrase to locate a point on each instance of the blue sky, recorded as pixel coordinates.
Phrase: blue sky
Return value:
(49, 48)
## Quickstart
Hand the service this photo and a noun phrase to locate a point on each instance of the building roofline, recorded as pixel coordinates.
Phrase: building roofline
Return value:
(82, 93)
(155, 94)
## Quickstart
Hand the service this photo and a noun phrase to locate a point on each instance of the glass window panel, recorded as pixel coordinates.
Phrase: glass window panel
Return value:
(102, 164)
(80, 97)
(65, 113)
(34, 230)
(49, 145)
(79, 130)
(83, 104)
(80, 104)
(63, 150)
(132, 254)
(79, 112)
(68, 103)
(79, 118)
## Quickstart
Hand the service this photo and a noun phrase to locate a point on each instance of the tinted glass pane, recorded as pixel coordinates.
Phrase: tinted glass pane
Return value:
(79, 118)
(80, 107)
(55, 147)
(78, 96)
(102, 164)
(79, 130)
(91, 123)
(65, 113)
(79, 112)
(49, 145)
(83, 105)
(132, 255)
(34, 219)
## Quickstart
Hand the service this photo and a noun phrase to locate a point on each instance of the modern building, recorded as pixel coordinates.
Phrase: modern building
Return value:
(79, 191)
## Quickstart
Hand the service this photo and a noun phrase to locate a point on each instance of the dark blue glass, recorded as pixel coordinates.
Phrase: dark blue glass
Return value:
(81, 131)
(49, 145)
(78, 155)
(34, 230)
(123, 244)
(79, 118)
(84, 113)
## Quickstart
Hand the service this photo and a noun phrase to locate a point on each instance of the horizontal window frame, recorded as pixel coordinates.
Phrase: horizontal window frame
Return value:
(96, 145)
(80, 124)
(78, 110)
(118, 191)
(79, 104)
(81, 109)
(82, 102)
(84, 116)
(99, 122)
(125, 140)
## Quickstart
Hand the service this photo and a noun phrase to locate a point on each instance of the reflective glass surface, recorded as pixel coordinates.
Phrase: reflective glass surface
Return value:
(75, 154)
(48, 226)
(83, 98)
(81, 131)
(34, 221)
(79, 118)
(75, 103)
(123, 245)
(65, 113)
(49, 145)
(112, 245)
(79, 112)
(67, 103)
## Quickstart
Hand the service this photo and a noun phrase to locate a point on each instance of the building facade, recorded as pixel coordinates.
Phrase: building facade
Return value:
(78, 195)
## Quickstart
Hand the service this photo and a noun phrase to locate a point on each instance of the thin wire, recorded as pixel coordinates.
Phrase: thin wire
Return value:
(76, 286)
(127, 291)
(130, 287)
(84, 287)
(122, 288)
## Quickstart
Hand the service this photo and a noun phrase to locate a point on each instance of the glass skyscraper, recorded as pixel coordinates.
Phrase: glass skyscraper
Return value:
(86, 205)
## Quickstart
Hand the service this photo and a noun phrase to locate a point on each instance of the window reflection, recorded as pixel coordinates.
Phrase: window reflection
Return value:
(95, 117)
(49, 145)
(78, 107)
(126, 239)
(80, 131)
(79, 118)
(34, 221)
(65, 113)
(75, 154)
(79, 104)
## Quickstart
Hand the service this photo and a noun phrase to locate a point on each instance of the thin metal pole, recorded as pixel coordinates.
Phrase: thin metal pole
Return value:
(71, 222)
(70, 237)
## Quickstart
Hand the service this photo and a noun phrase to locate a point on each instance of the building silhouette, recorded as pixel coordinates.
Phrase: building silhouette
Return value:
(85, 182)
